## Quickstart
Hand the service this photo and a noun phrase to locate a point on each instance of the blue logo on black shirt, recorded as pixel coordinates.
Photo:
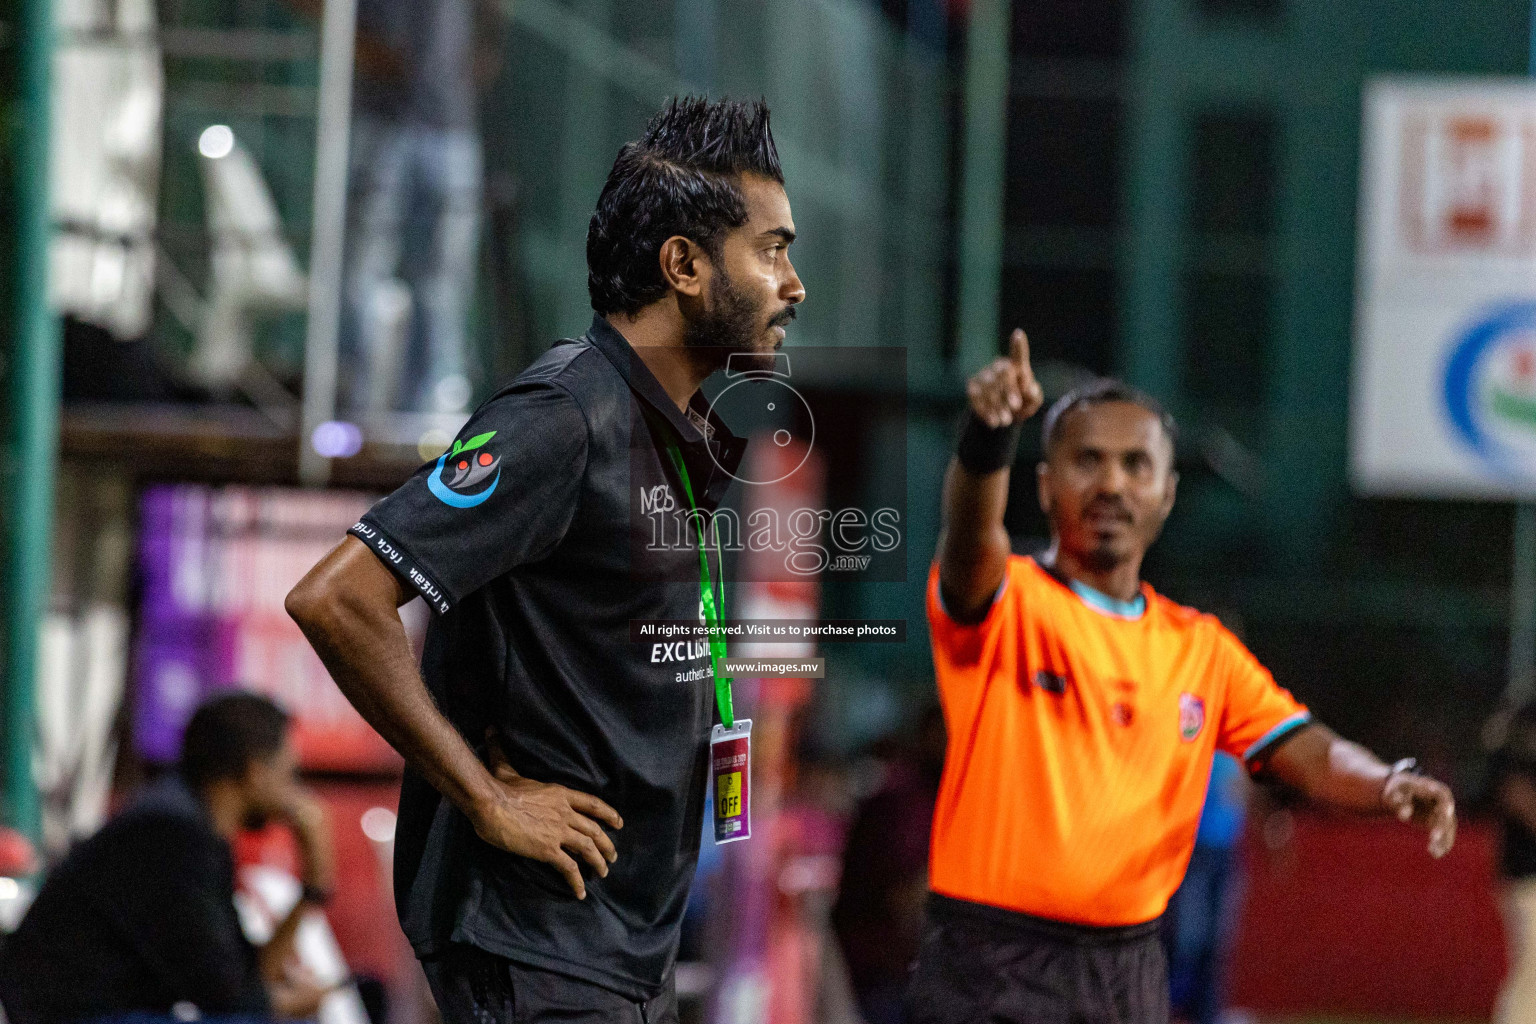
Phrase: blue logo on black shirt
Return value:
(470, 468)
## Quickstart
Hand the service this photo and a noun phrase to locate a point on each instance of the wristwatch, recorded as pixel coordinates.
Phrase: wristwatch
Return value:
(1408, 765)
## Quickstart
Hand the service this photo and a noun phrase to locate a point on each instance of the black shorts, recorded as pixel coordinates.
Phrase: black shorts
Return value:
(472, 986)
(983, 964)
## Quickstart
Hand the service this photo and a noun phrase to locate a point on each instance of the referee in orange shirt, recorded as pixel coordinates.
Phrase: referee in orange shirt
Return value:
(1083, 711)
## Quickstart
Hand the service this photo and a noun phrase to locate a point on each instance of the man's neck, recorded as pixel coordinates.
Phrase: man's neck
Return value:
(656, 335)
(1121, 582)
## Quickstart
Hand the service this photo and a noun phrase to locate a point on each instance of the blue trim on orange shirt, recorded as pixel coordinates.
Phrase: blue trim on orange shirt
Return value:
(1106, 605)
(1278, 733)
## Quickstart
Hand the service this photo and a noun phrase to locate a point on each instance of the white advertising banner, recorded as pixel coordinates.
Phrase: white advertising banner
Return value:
(1444, 398)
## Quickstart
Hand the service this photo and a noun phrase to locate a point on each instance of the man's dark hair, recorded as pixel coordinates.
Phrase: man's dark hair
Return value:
(682, 177)
(1101, 392)
(227, 733)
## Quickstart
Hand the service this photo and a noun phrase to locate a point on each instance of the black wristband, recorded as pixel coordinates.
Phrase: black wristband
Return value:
(985, 449)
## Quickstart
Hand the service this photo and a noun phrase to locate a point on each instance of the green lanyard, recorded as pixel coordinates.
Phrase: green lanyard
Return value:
(707, 599)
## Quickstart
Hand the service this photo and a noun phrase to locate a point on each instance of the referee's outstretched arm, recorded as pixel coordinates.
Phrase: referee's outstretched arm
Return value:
(973, 544)
(1331, 770)
(347, 607)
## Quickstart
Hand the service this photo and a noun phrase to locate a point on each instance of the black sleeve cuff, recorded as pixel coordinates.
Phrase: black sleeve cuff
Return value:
(402, 564)
(1257, 757)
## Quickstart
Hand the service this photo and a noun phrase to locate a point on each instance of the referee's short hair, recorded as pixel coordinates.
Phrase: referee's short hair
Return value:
(1102, 391)
(682, 177)
(227, 733)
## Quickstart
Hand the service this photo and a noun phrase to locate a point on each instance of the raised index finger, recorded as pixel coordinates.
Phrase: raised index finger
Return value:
(592, 807)
(1018, 348)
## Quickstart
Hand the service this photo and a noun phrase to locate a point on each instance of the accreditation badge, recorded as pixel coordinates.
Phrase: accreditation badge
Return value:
(730, 766)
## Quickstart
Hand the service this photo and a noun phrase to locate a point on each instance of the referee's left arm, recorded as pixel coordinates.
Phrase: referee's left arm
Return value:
(1331, 770)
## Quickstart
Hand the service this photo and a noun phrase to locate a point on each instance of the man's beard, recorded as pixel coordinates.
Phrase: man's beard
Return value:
(728, 324)
(1103, 558)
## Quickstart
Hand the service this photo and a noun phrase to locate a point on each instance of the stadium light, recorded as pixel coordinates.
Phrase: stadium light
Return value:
(216, 142)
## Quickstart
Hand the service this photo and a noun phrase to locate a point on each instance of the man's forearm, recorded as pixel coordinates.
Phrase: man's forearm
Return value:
(362, 642)
(974, 546)
(373, 666)
(1337, 773)
(281, 949)
(1328, 769)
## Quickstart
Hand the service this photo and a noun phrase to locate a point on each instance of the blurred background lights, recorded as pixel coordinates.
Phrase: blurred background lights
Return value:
(433, 443)
(337, 439)
(379, 824)
(216, 141)
(452, 392)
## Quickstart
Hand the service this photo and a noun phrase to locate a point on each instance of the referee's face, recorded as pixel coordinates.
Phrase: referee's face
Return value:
(1107, 483)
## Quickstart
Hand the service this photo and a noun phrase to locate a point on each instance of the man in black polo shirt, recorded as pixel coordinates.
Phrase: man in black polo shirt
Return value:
(551, 810)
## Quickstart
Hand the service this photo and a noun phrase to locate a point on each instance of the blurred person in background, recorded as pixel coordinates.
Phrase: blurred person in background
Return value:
(1083, 711)
(878, 916)
(556, 769)
(140, 918)
(1201, 915)
(1514, 792)
(413, 202)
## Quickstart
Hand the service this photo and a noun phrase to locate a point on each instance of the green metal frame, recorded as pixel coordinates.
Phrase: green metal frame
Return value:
(981, 185)
(34, 384)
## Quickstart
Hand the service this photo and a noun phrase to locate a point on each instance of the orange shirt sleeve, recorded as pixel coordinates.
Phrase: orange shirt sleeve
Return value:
(963, 641)
(1257, 711)
(964, 653)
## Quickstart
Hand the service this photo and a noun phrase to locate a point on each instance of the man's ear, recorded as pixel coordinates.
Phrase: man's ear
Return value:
(1173, 489)
(1043, 486)
(684, 266)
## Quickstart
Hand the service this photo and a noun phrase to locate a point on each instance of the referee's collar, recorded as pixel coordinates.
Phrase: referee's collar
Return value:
(1097, 599)
(721, 462)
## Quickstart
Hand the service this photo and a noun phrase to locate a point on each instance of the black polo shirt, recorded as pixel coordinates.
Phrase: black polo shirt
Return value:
(528, 542)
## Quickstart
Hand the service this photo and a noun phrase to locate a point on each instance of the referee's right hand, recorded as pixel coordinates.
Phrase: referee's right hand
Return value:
(547, 822)
(1005, 390)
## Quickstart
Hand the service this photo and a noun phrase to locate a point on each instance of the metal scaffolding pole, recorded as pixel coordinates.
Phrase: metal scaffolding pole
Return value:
(338, 29)
(982, 182)
(34, 392)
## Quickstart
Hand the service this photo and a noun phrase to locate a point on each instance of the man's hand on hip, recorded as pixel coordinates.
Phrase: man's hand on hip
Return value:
(546, 822)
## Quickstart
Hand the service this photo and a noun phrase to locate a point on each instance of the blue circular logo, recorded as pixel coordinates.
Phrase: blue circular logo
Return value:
(1490, 390)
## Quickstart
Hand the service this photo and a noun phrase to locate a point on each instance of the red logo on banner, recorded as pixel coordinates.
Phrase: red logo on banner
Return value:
(1469, 183)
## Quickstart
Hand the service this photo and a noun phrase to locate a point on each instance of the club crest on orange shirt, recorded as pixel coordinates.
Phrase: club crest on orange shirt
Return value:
(1191, 716)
